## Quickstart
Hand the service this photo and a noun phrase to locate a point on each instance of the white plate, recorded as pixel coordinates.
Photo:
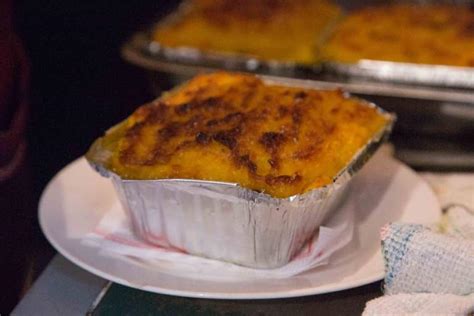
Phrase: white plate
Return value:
(384, 191)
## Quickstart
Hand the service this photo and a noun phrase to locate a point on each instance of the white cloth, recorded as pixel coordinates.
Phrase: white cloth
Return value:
(430, 271)
(421, 304)
(419, 260)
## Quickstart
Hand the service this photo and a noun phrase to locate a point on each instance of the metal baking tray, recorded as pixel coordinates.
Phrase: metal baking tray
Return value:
(141, 50)
(225, 221)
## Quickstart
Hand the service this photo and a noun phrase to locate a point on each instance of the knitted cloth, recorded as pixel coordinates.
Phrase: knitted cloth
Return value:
(420, 260)
(430, 270)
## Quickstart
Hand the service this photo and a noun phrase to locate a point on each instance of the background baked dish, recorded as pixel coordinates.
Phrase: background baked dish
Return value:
(235, 128)
(425, 34)
(280, 30)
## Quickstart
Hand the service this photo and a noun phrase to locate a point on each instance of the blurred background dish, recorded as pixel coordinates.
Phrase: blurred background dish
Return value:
(434, 102)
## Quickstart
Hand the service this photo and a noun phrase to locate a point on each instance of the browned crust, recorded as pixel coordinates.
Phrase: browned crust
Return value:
(268, 132)
(200, 121)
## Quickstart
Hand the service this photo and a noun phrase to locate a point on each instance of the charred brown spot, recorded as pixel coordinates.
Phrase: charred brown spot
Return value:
(247, 162)
(305, 153)
(132, 134)
(300, 95)
(192, 124)
(227, 138)
(237, 116)
(271, 140)
(202, 138)
(134, 131)
(267, 98)
(156, 113)
(183, 109)
(229, 119)
(205, 104)
(284, 179)
(296, 116)
(169, 131)
(208, 103)
(273, 163)
(184, 145)
(283, 111)
(157, 156)
(211, 123)
(468, 29)
(249, 95)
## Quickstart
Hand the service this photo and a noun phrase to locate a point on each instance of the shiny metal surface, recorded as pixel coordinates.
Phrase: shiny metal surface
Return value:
(434, 75)
(227, 222)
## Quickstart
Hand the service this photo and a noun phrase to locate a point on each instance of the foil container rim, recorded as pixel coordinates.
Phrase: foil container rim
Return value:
(405, 72)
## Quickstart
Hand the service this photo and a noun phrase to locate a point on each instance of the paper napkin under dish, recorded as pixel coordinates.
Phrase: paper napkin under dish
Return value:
(115, 237)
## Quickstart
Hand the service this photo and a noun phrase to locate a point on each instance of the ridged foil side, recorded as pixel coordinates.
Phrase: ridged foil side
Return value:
(224, 221)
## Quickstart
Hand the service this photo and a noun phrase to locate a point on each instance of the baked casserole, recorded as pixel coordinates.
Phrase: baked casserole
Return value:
(232, 127)
(280, 30)
(425, 34)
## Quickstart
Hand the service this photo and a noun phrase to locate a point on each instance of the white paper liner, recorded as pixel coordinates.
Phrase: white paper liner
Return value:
(115, 238)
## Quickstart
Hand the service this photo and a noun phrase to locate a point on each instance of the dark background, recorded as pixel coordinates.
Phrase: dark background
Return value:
(80, 86)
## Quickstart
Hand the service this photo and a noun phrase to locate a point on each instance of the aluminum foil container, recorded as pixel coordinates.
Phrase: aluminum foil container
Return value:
(227, 222)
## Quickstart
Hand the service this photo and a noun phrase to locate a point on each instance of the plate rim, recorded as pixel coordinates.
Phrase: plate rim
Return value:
(306, 291)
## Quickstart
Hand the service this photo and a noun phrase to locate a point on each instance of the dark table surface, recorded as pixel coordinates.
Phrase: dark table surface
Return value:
(124, 300)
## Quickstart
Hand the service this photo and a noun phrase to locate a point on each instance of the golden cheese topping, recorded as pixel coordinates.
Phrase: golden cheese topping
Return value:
(426, 34)
(235, 128)
(267, 29)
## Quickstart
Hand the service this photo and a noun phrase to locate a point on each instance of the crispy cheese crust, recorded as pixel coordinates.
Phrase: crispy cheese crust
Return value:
(426, 34)
(234, 128)
(267, 29)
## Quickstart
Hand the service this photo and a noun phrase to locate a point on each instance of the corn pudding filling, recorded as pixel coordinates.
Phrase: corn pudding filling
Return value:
(425, 34)
(235, 128)
(268, 29)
